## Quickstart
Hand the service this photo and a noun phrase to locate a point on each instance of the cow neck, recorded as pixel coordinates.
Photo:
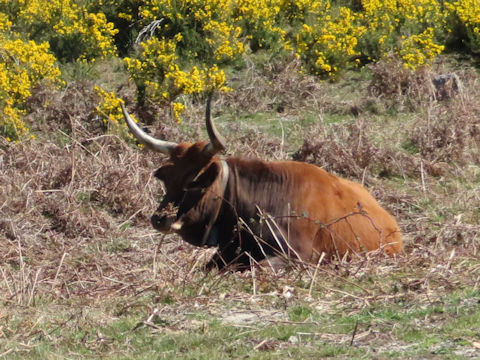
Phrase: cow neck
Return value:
(221, 195)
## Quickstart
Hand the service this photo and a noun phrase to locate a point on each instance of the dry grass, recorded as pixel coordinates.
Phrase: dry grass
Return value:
(74, 221)
(274, 86)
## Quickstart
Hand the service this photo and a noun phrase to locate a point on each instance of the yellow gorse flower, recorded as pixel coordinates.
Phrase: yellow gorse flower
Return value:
(158, 70)
(178, 109)
(68, 19)
(23, 65)
(330, 42)
(419, 50)
(109, 110)
(109, 107)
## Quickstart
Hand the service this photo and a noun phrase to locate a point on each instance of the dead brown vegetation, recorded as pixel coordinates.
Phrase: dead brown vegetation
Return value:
(68, 203)
(447, 129)
(75, 205)
(274, 86)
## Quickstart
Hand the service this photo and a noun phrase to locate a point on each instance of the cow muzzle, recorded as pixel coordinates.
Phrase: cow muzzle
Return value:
(162, 223)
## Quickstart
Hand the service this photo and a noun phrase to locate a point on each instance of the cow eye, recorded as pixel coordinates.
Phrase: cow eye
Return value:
(204, 180)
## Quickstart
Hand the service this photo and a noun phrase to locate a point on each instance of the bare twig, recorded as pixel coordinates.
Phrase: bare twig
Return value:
(354, 333)
(320, 259)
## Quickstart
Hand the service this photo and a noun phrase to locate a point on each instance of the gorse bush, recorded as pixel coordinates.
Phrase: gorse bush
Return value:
(191, 40)
(109, 109)
(331, 43)
(183, 47)
(74, 32)
(204, 30)
(23, 65)
(394, 26)
(34, 35)
(158, 75)
(466, 17)
(417, 50)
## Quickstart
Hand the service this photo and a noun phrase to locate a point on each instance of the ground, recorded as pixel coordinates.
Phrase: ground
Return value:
(83, 274)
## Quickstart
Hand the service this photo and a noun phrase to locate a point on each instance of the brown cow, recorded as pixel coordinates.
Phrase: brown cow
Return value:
(253, 209)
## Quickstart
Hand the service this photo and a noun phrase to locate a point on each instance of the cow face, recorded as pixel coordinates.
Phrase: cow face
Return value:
(191, 180)
(176, 174)
(193, 193)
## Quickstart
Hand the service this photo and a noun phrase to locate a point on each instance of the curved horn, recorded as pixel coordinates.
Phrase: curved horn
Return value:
(165, 147)
(217, 142)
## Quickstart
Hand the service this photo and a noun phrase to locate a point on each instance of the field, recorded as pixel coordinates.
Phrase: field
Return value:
(384, 93)
(83, 274)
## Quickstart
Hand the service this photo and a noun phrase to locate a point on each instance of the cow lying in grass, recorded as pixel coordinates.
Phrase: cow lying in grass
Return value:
(252, 209)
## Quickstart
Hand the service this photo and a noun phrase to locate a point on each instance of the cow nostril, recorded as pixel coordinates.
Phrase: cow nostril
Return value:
(157, 220)
(162, 222)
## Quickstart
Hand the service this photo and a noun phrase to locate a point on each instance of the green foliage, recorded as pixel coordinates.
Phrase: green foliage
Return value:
(301, 313)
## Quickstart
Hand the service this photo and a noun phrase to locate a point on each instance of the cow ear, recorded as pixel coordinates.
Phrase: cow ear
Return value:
(205, 178)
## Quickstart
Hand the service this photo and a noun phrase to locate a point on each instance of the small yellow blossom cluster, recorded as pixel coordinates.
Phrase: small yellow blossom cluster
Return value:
(298, 12)
(158, 73)
(157, 57)
(223, 38)
(109, 110)
(418, 50)
(402, 26)
(259, 21)
(206, 27)
(394, 14)
(109, 107)
(5, 22)
(98, 35)
(177, 109)
(23, 65)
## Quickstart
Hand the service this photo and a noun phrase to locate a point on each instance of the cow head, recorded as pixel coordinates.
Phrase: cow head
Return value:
(194, 180)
